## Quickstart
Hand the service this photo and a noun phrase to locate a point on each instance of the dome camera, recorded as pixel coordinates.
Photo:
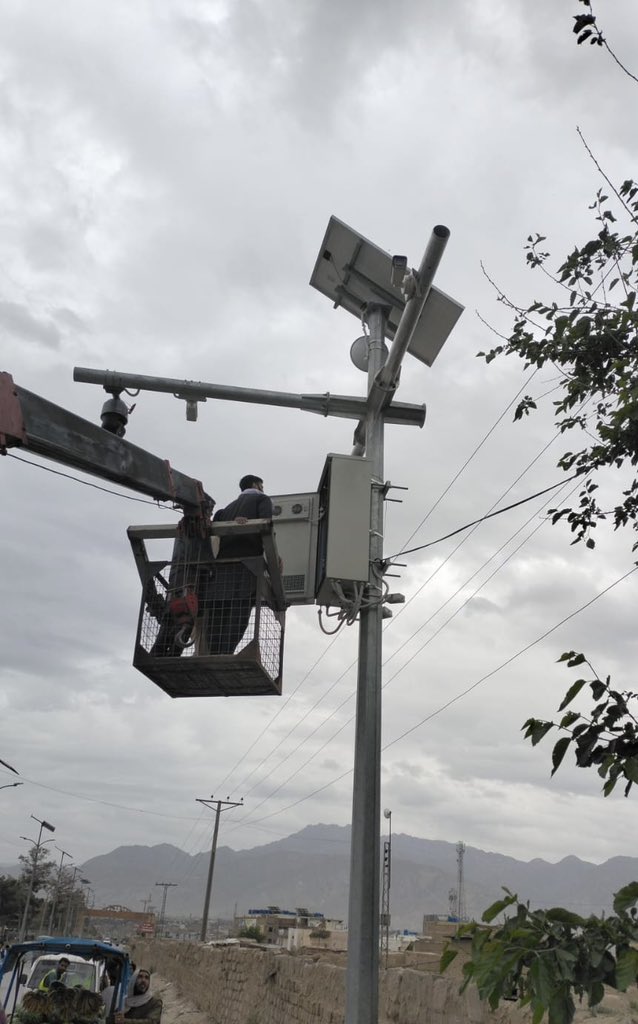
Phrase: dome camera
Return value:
(114, 416)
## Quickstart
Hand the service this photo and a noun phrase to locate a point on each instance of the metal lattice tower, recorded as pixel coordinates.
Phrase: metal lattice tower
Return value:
(460, 882)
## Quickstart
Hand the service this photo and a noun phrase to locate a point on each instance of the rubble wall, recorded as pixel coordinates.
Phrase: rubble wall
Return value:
(234, 985)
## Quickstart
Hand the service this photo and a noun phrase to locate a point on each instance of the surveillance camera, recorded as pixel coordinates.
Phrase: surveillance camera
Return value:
(114, 416)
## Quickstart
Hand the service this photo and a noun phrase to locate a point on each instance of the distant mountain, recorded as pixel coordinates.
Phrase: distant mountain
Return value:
(310, 869)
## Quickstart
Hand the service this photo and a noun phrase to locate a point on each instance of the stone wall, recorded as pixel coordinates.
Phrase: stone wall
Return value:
(235, 985)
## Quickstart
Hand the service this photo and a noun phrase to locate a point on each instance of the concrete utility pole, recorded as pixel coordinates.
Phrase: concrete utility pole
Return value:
(38, 845)
(219, 805)
(166, 886)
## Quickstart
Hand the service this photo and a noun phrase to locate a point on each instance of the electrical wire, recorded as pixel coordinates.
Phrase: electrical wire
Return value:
(475, 522)
(104, 803)
(455, 699)
(428, 641)
(88, 483)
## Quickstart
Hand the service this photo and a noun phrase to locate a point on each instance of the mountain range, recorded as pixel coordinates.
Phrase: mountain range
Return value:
(310, 869)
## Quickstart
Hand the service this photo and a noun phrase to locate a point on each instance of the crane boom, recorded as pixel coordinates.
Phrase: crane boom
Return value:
(40, 426)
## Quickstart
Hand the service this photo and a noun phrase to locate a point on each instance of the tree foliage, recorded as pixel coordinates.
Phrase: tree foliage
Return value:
(546, 958)
(605, 739)
(591, 338)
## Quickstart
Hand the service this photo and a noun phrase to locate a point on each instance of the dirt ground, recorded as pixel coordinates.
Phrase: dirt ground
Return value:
(176, 1010)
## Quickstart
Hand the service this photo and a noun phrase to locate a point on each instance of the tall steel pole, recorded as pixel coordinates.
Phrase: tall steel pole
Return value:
(219, 805)
(362, 978)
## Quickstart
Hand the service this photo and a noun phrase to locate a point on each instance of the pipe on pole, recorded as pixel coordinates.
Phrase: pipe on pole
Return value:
(384, 383)
(327, 404)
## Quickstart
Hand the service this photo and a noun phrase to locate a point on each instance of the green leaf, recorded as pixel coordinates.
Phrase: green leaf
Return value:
(565, 917)
(561, 1009)
(625, 897)
(576, 659)
(559, 751)
(498, 907)
(449, 954)
(596, 993)
(627, 968)
(568, 719)
(573, 691)
(630, 769)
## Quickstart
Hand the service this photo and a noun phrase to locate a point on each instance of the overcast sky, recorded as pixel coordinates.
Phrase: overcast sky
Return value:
(167, 173)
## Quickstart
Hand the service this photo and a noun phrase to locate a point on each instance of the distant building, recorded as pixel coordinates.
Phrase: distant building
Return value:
(295, 929)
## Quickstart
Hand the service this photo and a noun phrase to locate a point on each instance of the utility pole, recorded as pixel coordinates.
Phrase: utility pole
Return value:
(146, 903)
(166, 886)
(219, 805)
(56, 893)
(460, 881)
(38, 845)
(403, 305)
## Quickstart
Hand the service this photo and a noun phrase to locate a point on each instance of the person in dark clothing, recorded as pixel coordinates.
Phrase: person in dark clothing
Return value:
(231, 591)
(141, 1004)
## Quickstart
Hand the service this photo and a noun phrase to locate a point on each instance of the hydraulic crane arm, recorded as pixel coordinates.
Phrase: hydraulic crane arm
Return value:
(28, 421)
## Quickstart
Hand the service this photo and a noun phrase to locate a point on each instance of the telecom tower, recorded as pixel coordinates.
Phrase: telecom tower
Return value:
(460, 883)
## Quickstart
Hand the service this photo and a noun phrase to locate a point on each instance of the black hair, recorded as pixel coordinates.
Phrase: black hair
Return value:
(249, 481)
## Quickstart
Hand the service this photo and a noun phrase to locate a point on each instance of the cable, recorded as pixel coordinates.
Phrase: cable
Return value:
(454, 700)
(490, 515)
(336, 637)
(469, 459)
(87, 483)
(488, 675)
(427, 642)
(105, 803)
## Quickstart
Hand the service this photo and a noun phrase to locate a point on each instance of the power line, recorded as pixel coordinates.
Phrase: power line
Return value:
(336, 637)
(489, 515)
(453, 700)
(88, 483)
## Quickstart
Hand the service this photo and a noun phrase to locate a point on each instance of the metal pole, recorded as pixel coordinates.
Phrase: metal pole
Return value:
(69, 906)
(362, 978)
(56, 894)
(219, 805)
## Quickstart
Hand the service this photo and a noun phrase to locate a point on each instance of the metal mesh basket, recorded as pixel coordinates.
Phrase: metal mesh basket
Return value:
(208, 627)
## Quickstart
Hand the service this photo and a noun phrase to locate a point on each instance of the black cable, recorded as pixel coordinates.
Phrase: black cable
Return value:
(475, 522)
(87, 483)
(453, 700)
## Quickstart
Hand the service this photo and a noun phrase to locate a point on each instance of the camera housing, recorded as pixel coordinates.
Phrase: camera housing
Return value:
(114, 416)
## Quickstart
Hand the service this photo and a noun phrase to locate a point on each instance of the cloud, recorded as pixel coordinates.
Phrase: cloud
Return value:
(18, 321)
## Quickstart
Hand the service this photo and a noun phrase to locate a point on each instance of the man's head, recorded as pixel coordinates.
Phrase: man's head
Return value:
(250, 481)
(63, 965)
(142, 982)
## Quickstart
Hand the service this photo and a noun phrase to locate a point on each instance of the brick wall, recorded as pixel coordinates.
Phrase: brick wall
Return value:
(234, 985)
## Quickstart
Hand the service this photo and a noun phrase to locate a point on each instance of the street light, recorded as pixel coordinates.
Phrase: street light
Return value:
(51, 828)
